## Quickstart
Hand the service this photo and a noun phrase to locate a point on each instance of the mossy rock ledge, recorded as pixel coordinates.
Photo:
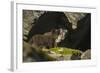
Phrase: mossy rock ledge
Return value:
(61, 53)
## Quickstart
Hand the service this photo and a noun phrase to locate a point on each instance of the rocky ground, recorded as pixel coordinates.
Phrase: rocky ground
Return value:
(60, 54)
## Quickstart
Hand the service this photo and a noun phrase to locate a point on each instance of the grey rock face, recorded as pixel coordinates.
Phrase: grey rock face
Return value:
(29, 18)
(86, 54)
(74, 17)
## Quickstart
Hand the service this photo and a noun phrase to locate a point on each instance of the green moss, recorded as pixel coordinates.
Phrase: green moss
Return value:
(65, 51)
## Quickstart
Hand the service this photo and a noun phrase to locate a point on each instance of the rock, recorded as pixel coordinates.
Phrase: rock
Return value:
(74, 17)
(65, 57)
(45, 50)
(86, 54)
(76, 56)
(29, 18)
(27, 51)
(29, 59)
(54, 55)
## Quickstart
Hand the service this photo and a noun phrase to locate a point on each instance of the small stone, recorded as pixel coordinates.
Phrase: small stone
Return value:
(86, 54)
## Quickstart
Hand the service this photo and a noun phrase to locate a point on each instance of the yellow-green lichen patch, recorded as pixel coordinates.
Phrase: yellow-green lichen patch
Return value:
(65, 51)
